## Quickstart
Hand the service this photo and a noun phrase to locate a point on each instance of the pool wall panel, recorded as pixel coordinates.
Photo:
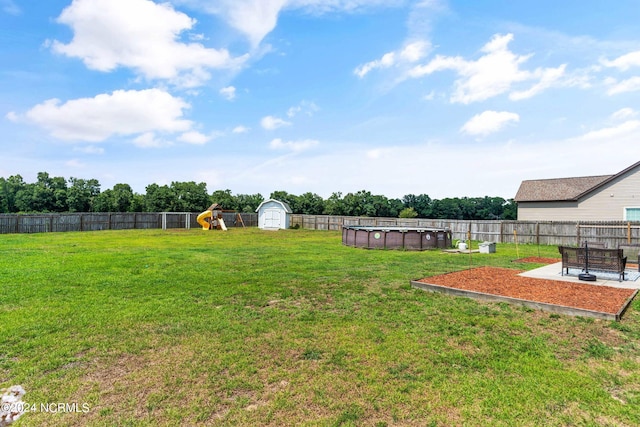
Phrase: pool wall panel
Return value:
(415, 239)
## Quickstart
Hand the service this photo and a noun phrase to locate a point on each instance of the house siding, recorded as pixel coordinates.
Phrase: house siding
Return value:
(607, 203)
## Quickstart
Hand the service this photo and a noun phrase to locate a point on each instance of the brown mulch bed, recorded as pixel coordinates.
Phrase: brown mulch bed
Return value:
(538, 260)
(506, 282)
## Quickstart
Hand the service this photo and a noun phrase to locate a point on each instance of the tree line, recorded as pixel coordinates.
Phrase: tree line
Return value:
(57, 194)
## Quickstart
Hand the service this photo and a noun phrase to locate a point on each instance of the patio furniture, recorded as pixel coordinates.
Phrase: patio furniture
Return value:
(631, 251)
(605, 260)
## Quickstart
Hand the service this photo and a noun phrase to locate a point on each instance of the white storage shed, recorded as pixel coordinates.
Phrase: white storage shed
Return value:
(274, 214)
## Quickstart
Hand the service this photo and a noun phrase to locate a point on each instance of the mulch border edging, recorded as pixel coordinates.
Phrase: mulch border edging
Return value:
(554, 308)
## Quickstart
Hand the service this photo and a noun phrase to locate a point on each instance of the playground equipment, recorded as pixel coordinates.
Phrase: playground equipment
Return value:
(211, 219)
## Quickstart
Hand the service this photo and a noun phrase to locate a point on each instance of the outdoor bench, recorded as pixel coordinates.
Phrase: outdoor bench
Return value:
(606, 260)
(631, 251)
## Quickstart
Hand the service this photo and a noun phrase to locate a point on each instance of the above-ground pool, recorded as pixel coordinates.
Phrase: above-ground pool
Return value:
(415, 239)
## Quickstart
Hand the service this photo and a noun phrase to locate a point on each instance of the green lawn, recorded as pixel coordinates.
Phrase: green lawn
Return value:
(249, 327)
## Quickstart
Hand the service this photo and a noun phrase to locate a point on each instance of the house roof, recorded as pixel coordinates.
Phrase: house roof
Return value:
(284, 205)
(564, 189)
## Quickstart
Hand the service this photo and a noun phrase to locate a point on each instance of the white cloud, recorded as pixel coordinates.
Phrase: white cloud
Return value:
(149, 140)
(195, 138)
(411, 53)
(546, 78)
(624, 62)
(308, 108)
(489, 122)
(624, 113)
(10, 7)
(378, 153)
(387, 60)
(89, 149)
(629, 85)
(492, 74)
(106, 115)
(355, 168)
(295, 146)
(240, 129)
(430, 96)
(271, 122)
(228, 92)
(626, 131)
(257, 18)
(110, 33)
(254, 18)
(12, 116)
(75, 163)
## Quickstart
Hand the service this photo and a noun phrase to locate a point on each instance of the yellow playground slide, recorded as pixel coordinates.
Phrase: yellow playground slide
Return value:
(202, 219)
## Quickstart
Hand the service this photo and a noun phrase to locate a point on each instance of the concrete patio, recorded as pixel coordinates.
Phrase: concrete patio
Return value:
(554, 272)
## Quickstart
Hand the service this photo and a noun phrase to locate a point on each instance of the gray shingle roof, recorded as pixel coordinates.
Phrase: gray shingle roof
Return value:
(564, 189)
(550, 190)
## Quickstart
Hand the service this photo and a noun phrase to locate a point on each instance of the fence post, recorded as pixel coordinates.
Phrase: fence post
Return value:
(578, 233)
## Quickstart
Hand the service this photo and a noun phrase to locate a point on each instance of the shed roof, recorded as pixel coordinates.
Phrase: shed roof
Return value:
(564, 189)
(284, 205)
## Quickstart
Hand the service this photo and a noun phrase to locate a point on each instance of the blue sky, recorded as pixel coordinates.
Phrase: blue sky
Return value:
(447, 98)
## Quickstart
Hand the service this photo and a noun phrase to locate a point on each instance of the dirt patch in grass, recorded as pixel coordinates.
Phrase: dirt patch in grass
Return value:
(506, 282)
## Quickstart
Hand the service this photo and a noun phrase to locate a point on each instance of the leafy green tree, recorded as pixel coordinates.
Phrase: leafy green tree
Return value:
(9, 190)
(447, 208)
(137, 203)
(24, 199)
(248, 202)
(408, 213)
(58, 186)
(395, 207)
(309, 203)
(103, 202)
(224, 198)
(81, 193)
(46, 195)
(510, 210)
(159, 198)
(385, 207)
(490, 208)
(4, 200)
(120, 198)
(123, 198)
(290, 199)
(422, 204)
(189, 196)
(353, 205)
(334, 205)
(360, 203)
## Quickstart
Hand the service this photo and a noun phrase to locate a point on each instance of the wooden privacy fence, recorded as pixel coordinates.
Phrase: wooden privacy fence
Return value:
(611, 233)
(567, 233)
(94, 221)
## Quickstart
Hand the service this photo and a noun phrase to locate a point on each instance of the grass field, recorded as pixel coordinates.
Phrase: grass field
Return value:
(247, 327)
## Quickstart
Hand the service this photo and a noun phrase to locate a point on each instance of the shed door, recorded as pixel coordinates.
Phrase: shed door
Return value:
(272, 218)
